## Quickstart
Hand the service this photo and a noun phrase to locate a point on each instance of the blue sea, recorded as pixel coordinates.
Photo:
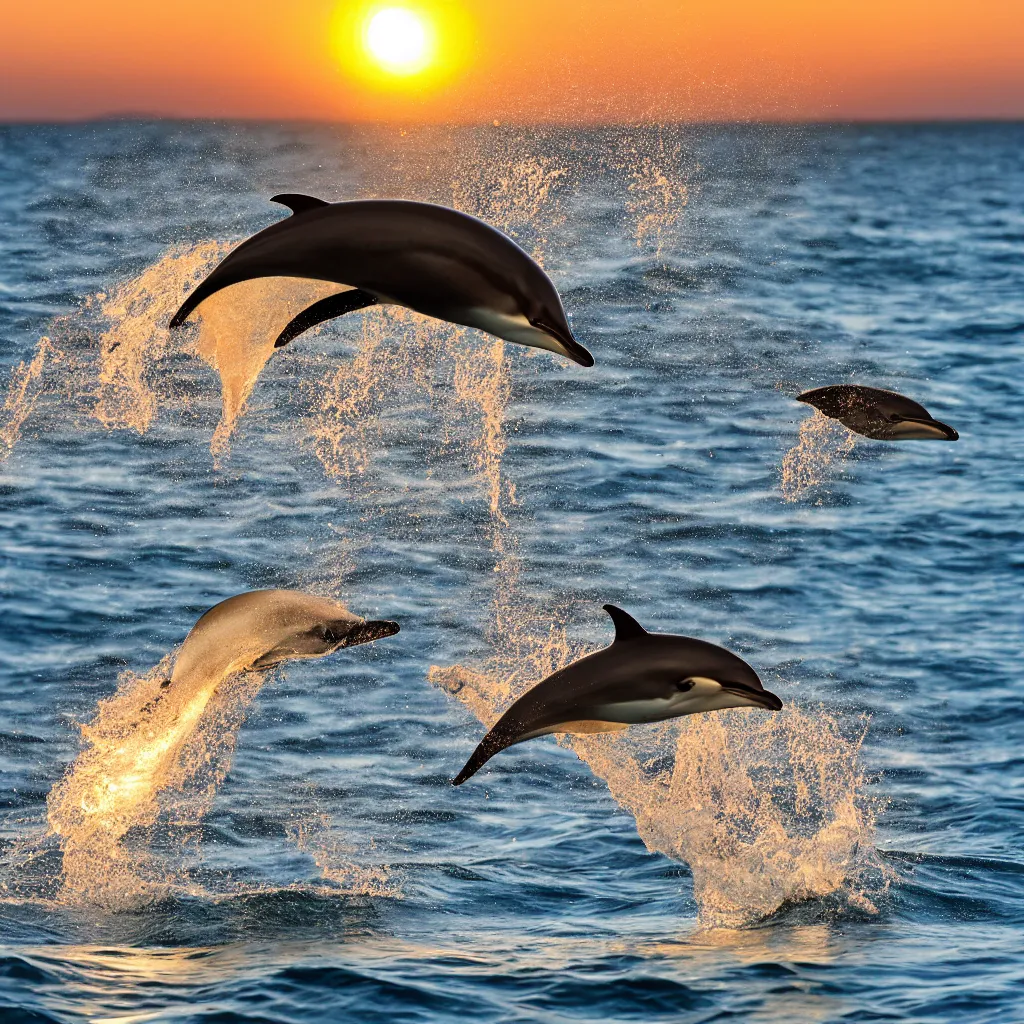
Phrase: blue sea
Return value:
(858, 856)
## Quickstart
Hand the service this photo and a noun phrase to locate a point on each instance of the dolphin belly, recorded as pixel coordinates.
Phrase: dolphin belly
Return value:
(919, 430)
(581, 727)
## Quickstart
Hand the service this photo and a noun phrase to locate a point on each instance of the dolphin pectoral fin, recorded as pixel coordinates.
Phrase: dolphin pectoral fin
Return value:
(326, 309)
(626, 627)
(298, 203)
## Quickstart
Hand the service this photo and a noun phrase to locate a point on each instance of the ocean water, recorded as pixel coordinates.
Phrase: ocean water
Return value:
(299, 855)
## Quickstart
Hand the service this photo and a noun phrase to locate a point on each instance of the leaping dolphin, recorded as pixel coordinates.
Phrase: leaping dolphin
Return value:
(262, 628)
(121, 776)
(882, 415)
(641, 677)
(429, 258)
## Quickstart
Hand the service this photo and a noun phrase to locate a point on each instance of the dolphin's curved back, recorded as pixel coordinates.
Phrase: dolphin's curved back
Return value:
(838, 400)
(372, 243)
(877, 413)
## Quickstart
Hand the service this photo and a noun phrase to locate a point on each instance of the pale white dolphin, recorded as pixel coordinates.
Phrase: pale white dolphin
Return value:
(262, 628)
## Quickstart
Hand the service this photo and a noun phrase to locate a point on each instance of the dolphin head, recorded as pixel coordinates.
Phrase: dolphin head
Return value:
(533, 325)
(705, 681)
(531, 313)
(666, 676)
(313, 637)
(901, 428)
(543, 312)
(349, 634)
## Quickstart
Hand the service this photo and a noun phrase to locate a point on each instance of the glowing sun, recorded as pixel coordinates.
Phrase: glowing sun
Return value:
(402, 48)
(399, 40)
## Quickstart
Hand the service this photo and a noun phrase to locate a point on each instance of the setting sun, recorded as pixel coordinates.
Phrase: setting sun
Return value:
(407, 50)
(399, 40)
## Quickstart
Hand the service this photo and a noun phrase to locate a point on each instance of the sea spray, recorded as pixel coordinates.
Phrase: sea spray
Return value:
(765, 810)
(822, 446)
(148, 749)
(27, 385)
(658, 196)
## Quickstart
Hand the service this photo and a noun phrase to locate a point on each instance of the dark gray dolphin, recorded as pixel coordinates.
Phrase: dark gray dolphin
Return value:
(882, 415)
(641, 677)
(429, 258)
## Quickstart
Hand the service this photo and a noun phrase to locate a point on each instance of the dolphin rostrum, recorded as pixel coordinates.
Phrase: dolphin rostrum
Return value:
(641, 677)
(432, 259)
(882, 415)
(262, 628)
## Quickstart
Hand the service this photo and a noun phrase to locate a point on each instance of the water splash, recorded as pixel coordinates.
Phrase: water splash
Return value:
(235, 334)
(766, 810)
(130, 385)
(823, 445)
(27, 385)
(154, 756)
(149, 751)
(121, 371)
(658, 197)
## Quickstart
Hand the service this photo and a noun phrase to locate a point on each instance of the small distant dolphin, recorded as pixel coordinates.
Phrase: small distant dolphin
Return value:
(429, 258)
(262, 628)
(882, 415)
(641, 677)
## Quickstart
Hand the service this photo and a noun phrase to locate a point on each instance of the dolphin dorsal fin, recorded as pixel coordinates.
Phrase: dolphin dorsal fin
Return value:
(298, 203)
(626, 627)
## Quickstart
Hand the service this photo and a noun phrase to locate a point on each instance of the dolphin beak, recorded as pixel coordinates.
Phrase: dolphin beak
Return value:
(951, 434)
(762, 698)
(366, 632)
(573, 349)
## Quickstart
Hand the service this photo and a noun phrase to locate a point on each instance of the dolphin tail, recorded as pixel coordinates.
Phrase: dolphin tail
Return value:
(494, 742)
(226, 274)
(326, 309)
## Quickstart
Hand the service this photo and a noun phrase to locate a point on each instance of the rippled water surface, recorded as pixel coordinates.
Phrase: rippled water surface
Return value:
(856, 857)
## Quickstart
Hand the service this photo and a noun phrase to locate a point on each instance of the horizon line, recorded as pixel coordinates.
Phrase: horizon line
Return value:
(809, 122)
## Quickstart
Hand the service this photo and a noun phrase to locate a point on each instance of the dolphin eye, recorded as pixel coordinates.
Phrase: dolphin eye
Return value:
(683, 685)
(325, 633)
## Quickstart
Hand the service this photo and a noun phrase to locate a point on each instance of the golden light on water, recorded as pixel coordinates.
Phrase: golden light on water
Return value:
(409, 48)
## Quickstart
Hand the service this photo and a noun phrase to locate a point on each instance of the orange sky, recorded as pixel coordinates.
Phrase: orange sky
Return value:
(530, 60)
